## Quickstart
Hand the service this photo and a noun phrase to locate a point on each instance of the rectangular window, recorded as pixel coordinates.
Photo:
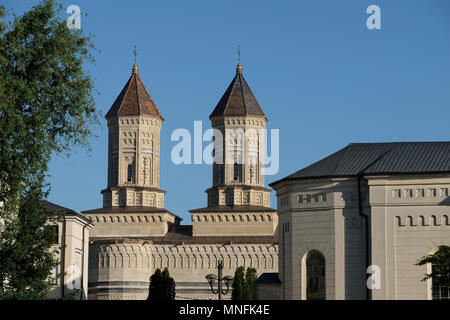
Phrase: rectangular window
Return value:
(130, 173)
(55, 235)
(440, 287)
(237, 172)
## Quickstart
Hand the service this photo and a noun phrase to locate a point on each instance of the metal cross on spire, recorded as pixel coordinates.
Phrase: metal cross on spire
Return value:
(239, 53)
(239, 67)
(135, 68)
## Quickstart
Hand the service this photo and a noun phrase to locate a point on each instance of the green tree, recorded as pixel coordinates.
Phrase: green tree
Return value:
(238, 284)
(46, 107)
(162, 286)
(440, 271)
(250, 291)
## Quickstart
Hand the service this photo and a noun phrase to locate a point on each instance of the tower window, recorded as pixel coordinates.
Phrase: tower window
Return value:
(237, 172)
(130, 173)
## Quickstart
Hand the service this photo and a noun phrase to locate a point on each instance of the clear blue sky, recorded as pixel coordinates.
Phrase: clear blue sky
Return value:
(319, 74)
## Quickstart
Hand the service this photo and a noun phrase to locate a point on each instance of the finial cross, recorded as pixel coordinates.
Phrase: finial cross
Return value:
(135, 54)
(239, 53)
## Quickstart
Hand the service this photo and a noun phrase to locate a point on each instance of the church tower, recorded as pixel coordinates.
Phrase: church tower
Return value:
(133, 234)
(134, 126)
(133, 203)
(238, 202)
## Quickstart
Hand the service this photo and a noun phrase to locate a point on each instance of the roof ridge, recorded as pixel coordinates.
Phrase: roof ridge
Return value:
(242, 92)
(376, 160)
(137, 92)
(233, 85)
(342, 156)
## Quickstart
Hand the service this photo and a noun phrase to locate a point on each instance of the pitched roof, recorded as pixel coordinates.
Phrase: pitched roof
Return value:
(179, 234)
(392, 158)
(131, 209)
(268, 278)
(52, 207)
(236, 208)
(134, 99)
(238, 100)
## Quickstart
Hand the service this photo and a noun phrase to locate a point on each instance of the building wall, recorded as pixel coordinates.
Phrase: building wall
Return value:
(122, 270)
(241, 142)
(135, 141)
(408, 217)
(234, 224)
(73, 258)
(415, 212)
(314, 211)
(130, 224)
(268, 291)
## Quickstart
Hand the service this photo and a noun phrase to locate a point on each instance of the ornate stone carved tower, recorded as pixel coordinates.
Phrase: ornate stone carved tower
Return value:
(134, 125)
(133, 203)
(240, 153)
(238, 169)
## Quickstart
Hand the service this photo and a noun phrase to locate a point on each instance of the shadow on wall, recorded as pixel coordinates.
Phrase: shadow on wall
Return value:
(445, 202)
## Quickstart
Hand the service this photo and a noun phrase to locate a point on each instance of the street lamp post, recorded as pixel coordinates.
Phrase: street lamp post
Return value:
(212, 279)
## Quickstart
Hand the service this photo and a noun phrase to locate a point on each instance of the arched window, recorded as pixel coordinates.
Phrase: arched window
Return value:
(130, 173)
(315, 276)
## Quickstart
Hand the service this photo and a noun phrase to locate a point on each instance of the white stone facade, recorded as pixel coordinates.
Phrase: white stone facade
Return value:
(408, 216)
(72, 248)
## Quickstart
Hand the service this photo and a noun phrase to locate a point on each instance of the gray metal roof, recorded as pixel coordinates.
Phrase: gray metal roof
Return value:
(268, 278)
(53, 207)
(391, 158)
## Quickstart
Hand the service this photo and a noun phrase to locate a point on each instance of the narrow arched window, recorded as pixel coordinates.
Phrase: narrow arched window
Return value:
(236, 172)
(130, 173)
(315, 276)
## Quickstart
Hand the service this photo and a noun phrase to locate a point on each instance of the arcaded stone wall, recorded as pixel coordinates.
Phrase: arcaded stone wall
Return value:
(122, 270)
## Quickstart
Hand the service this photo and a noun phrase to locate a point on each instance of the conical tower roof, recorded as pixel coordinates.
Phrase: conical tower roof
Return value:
(238, 100)
(134, 99)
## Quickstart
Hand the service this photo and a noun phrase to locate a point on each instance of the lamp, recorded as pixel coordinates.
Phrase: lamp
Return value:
(211, 278)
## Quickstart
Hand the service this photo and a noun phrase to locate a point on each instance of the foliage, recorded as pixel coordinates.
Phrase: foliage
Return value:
(72, 295)
(46, 106)
(244, 288)
(250, 291)
(441, 266)
(162, 286)
(238, 284)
